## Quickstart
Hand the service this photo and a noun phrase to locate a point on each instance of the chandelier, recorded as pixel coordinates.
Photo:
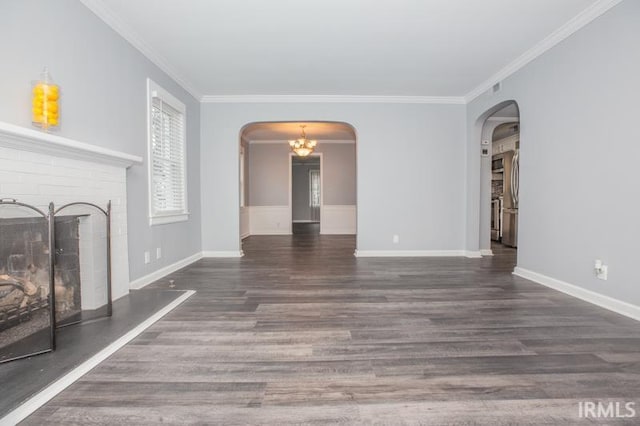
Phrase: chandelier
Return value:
(303, 146)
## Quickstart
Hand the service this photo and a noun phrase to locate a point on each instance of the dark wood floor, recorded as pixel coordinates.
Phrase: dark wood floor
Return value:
(300, 331)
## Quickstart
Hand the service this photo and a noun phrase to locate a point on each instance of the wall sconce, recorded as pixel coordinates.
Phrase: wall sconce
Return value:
(45, 102)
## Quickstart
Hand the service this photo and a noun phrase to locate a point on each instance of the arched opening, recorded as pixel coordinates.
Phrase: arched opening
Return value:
(284, 193)
(499, 179)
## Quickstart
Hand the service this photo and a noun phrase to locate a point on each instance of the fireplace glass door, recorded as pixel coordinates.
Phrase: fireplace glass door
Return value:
(26, 286)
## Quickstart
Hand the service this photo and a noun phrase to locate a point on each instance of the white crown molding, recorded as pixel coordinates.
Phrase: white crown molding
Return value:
(31, 140)
(125, 31)
(285, 141)
(615, 305)
(415, 253)
(332, 99)
(583, 18)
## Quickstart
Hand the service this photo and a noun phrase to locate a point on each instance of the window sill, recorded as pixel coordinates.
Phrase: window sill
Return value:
(163, 220)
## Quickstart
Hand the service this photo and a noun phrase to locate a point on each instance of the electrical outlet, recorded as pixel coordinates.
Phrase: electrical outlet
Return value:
(158, 253)
(147, 257)
(601, 270)
(396, 239)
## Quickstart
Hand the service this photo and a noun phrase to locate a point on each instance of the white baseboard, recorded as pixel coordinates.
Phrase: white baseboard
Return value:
(486, 252)
(223, 254)
(411, 253)
(615, 305)
(271, 232)
(45, 395)
(245, 235)
(163, 272)
(473, 254)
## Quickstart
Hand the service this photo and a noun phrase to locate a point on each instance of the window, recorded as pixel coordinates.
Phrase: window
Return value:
(167, 157)
(314, 188)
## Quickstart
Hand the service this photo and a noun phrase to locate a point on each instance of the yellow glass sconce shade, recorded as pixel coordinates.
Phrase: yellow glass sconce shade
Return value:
(45, 106)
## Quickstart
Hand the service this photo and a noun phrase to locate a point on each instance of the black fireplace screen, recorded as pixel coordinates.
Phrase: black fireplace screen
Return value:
(26, 281)
(55, 270)
(82, 262)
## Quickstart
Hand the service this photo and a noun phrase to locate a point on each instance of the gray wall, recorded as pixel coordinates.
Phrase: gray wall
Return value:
(300, 208)
(103, 82)
(579, 197)
(269, 173)
(410, 170)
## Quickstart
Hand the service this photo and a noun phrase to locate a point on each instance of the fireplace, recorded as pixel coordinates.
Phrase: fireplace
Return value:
(43, 168)
(35, 298)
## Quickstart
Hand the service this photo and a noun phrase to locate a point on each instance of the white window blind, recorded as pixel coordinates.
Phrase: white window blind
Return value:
(168, 198)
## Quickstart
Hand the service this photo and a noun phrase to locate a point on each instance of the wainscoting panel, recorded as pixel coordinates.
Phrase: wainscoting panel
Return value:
(244, 222)
(338, 220)
(269, 220)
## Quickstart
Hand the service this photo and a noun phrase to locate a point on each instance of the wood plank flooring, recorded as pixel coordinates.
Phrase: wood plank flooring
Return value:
(300, 331)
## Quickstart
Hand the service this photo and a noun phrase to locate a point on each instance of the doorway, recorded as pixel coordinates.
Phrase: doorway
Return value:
(325, 199)
(306, 194)
(500, 188)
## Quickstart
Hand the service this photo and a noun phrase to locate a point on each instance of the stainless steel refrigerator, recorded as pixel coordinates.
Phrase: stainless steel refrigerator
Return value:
(511, 182)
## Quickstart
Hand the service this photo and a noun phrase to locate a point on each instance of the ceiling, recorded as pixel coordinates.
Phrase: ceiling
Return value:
(324, 131)
(338, 47)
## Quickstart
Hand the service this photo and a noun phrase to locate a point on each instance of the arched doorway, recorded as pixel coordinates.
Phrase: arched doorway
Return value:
(282, 192)
(499, 178)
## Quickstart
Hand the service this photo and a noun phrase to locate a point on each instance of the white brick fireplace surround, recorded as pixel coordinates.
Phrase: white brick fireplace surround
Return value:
(37, 168)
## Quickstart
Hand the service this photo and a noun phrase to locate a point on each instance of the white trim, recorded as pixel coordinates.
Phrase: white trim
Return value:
(320, 141)
(222, 254)
(339, 219)
(163, 272)
(170, 218)
(245, 235)
(154, 90)
(473, 254)
(486, 252)
(100, 9)
(31, 140)
(583, 18)
(615, 305)
(411, 253)
(45, 395)
(224, 99)
(269, 220)
(271, 232)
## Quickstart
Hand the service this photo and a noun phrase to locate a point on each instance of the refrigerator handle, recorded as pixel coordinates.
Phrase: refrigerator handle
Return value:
(515, 179)
(512, 177)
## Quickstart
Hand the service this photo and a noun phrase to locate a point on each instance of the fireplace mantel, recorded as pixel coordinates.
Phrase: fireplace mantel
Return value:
(21, 138)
